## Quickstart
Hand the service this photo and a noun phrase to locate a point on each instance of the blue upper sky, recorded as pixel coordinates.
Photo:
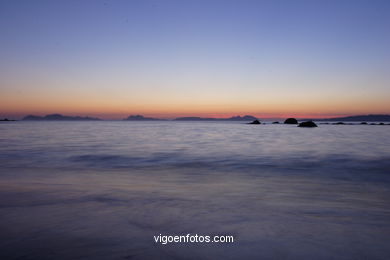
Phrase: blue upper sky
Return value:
(168, 58)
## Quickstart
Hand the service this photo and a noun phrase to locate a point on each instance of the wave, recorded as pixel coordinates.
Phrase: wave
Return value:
(328, 164)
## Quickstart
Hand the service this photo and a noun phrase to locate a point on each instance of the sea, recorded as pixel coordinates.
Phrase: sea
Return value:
(107, 189)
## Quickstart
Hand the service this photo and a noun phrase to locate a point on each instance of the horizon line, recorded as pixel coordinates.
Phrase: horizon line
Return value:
(265, 117)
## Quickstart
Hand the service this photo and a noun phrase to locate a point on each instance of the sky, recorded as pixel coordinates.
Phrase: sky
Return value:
(168, 58)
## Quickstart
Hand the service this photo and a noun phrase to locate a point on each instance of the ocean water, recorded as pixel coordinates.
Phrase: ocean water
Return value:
(102, 190)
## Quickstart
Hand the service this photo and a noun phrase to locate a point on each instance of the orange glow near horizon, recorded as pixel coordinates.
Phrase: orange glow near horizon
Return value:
(217, 61)
(120, 111)
(163, 102)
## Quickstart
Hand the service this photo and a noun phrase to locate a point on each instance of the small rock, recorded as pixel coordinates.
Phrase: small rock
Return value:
(255, 122)
(291, 121)
(307, 124)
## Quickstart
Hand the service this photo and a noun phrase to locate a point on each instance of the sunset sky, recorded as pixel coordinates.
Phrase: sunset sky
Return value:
(194, 58)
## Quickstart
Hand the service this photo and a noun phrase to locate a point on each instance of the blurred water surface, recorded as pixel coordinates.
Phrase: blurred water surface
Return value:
(102, 190)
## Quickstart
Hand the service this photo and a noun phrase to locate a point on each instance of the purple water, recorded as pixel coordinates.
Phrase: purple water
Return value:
(102, 190)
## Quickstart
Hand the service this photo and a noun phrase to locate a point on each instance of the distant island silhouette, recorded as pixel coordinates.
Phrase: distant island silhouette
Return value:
(368, 118)
(233, 118)
(141, 118)
(248, 118)
(59, 117)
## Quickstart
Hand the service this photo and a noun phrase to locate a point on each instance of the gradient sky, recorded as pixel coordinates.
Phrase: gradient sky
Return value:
(186, 58)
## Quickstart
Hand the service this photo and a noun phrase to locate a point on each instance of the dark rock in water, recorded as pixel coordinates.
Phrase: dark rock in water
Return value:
(339, 123)
(291, 121)
(381, 124)
(363, 123)
(255, 122)
(307, 124)
(6, 120)
(276, 122)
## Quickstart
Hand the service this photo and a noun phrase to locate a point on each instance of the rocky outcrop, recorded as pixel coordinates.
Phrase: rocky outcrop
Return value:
(255, 122)
(307, 124)
(291, 121)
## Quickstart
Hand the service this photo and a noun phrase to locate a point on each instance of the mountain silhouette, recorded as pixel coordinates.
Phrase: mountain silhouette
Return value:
(58, 117)
(140, 118)
(233, 118)
(365, 118)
